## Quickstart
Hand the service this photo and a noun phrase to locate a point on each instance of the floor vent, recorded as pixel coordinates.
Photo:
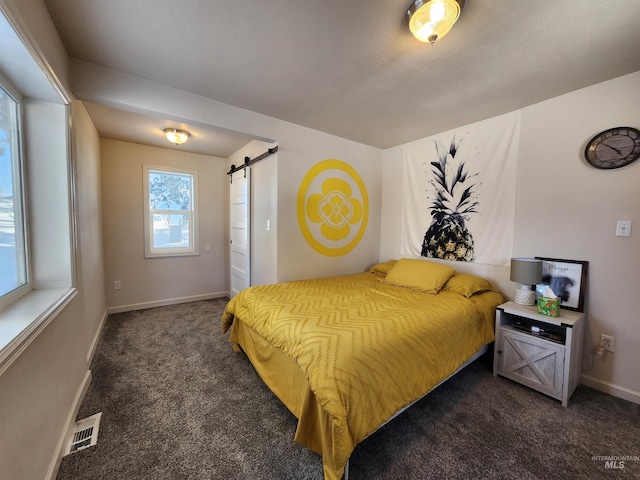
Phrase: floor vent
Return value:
(85, 433)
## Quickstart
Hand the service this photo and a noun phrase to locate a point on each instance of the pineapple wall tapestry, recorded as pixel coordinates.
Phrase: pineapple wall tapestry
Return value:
(459, 193)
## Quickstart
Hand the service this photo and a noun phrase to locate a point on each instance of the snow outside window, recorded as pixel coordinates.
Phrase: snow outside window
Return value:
(171, 221)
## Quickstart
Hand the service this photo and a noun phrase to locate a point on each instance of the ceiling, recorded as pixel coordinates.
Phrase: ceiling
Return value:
(349, 67)
(148, 130)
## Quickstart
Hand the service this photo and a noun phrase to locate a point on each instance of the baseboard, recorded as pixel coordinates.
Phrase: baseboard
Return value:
(52, 473)
(612, 389)
(96, 338)
(162, 303)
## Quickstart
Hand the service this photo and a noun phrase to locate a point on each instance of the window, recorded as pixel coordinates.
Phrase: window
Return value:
(14, 279)
(170, 212)
(36, 243)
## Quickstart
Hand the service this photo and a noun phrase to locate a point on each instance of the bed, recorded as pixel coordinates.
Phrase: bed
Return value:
(346, 354)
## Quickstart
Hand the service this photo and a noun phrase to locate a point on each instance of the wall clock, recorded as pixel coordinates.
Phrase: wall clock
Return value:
(613, 148)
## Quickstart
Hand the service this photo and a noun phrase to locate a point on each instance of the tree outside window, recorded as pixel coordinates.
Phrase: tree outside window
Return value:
(171, 221)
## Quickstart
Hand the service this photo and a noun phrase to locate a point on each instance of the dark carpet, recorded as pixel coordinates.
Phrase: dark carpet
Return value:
(179, 403)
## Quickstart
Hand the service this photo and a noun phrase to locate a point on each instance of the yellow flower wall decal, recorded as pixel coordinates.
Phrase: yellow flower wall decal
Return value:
(332, 207)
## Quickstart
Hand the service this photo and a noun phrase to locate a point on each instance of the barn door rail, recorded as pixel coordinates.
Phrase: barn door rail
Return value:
(248, 162)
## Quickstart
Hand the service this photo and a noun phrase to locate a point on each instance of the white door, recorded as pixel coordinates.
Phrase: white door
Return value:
(240, 249)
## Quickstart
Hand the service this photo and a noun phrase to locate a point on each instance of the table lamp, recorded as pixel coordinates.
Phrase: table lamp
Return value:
(526, 272)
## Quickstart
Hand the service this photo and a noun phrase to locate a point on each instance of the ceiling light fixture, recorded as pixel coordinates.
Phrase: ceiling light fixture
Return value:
(430, 20)
(176, 136)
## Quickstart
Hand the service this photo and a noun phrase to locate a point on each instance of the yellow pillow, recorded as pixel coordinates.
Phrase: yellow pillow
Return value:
(467, 284)
(382, 268)
(419, 274)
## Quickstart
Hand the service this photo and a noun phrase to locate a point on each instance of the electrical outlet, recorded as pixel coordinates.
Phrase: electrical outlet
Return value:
(117, 285)
(608, 343)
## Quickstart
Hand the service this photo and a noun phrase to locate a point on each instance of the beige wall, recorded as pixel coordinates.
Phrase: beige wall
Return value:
(567, 209)
(586, 203)
(299, 148)
(296, 258)
(41, 389)
(32, 21)
(149, 282)
(89, 255)
(37, 395)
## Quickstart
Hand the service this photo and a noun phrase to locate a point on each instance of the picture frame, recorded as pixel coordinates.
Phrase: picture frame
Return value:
(568, 280)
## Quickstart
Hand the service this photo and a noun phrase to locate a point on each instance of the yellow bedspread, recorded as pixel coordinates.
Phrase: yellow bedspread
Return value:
(365, 348)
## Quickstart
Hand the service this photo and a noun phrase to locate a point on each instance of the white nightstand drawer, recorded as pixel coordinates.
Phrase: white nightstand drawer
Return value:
(540, 352)
(534, 362)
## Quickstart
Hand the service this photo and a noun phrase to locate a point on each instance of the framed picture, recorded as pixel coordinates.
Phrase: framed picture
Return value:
(567, 279)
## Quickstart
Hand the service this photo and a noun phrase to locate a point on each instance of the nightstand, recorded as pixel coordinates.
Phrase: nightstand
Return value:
(541, 352)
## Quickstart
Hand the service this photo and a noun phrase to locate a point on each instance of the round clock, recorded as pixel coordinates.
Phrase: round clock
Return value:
(613, 148)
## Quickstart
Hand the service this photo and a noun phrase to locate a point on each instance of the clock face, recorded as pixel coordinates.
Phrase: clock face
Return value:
(613, 148)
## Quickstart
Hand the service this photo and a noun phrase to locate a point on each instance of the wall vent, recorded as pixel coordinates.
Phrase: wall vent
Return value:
(85, 434)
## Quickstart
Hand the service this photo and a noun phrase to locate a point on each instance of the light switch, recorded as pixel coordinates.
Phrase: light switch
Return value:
(207, 247)
(268, 224)
(623, 228)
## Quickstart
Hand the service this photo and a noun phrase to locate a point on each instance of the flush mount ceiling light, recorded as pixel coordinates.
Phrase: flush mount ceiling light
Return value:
(176, 136)
(430, 20)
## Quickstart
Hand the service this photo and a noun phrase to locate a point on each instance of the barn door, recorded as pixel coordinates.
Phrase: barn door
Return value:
(240, 248)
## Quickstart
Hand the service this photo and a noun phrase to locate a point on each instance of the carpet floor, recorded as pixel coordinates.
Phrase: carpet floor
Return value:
(178, 403)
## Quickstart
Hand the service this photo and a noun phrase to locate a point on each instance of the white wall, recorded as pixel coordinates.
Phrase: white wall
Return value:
(264, 208)
(149, 282)
(567, 209)
(48, 192)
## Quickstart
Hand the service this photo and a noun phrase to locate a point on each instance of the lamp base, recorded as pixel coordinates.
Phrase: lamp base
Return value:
(524, 297)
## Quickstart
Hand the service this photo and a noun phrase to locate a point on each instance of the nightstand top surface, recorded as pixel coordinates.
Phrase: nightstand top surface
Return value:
(567, 317)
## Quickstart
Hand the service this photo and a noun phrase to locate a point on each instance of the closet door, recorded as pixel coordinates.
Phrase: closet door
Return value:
(240, 225)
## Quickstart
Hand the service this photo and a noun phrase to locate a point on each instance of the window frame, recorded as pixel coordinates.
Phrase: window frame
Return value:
(20, 206)
(154, 252)
(48, 185)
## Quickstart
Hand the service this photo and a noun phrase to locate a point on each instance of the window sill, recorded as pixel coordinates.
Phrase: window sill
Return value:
(24, 319)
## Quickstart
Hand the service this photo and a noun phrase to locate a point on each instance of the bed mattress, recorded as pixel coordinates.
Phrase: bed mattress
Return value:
(345, 353)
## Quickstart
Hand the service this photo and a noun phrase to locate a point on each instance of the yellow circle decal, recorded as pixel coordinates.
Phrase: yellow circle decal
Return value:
(332, 208)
